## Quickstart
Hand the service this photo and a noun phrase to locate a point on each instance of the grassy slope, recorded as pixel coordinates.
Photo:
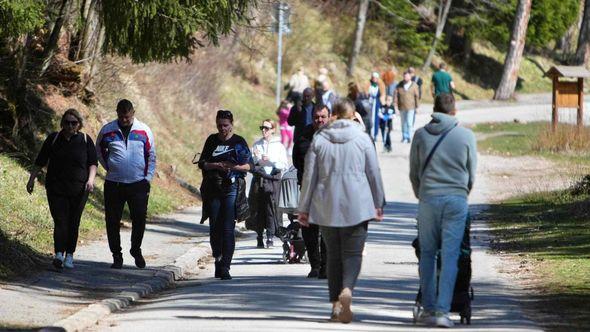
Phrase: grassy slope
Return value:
(549, 231)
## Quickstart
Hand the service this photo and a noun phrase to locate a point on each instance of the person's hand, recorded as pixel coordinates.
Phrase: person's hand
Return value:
(379, 212)
(227, 166)
(90, 186)
(30, 186)
(303, 219)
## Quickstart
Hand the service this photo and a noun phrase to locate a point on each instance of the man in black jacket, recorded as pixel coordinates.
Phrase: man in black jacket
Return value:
(301, 114)
(316, 249)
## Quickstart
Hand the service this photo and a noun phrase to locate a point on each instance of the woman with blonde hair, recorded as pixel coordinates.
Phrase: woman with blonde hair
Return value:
(341, 192)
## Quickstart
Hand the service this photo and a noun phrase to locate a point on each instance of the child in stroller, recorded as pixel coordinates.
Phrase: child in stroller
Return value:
(293, 245)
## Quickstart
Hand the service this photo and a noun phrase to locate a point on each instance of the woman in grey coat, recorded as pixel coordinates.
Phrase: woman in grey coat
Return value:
(341, 191)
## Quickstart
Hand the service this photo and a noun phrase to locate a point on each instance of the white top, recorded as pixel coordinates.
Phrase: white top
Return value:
(276, 152)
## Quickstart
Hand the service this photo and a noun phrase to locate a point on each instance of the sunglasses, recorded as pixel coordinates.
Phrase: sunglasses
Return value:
(264, 128)
(71, 123)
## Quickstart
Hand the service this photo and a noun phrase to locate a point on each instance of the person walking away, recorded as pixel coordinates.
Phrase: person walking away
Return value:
(443, 162)
(328, 97)
(389, 79)
(225, 160)
(127, 151)
(286, 130)
(442, 82)
(297, 83)
(376, 93)
(342, 163)
(314, 243)
(301, 113)
(71, 161)
(417, 80)
(407, 101)
(386, 122)
(362, 105)
(270, 160)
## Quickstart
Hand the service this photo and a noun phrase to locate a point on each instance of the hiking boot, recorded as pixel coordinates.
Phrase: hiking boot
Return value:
(117, 261)
(224, 275)
(426, 318)
(58, 261)
(314, 273)
(69, 261)
(443, 320)
(218, 268)
(139, 261)
(259, 242)
(345, 298)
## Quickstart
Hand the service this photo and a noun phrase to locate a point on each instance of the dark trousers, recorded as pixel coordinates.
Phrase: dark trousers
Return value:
(315, 246)
(386, 127)
(136, 195)
(266, 215)
(345, 256)
(66, 212)
(222, 222)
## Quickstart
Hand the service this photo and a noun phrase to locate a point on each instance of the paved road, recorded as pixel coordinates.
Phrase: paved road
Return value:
(268, 296)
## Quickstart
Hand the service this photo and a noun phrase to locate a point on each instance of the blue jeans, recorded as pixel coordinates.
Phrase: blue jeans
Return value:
(407, 118)
(441, 225)
(222, 215)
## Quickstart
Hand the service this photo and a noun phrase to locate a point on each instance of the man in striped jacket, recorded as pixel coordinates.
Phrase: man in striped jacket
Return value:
(126, 150)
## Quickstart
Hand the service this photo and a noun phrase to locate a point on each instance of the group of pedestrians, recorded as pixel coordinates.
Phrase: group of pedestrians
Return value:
(125, 149)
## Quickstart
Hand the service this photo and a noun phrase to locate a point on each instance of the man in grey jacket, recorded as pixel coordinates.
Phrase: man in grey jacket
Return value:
(442, 183)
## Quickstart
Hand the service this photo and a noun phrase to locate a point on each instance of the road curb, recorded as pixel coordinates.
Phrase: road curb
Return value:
(162, 279)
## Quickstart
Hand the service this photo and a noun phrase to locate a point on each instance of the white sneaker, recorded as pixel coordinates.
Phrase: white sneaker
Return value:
(426, 318)
(69, 261)
(443, 320)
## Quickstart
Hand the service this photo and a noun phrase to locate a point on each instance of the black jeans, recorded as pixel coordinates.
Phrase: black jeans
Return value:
(66, 212)
(136, 195)
(222, 222)
(345, 256)
(316, 248)
(266, 215)
(386, 127)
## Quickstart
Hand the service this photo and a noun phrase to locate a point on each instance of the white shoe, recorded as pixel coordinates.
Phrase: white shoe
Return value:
(443, 320)
(69, 261)
(426, 318)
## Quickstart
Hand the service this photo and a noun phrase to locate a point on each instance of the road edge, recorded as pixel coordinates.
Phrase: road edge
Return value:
(163, 279)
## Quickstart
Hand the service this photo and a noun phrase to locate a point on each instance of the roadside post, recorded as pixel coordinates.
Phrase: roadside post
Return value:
(280, 26)
(568, 93)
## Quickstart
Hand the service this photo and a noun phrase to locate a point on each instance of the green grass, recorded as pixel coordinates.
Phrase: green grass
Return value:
(520, 139)
(551, 232)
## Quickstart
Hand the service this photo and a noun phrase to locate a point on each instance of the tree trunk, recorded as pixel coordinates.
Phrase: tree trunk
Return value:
(358, 36)
(52, 43)
(443, 12)
(514, 56)
(90, 31)
(583, 52)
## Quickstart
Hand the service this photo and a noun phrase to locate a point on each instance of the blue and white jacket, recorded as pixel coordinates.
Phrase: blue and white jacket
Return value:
(127, 161)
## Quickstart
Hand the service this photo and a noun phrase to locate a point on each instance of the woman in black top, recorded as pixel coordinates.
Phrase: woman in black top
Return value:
(71, 163)
(225, 160)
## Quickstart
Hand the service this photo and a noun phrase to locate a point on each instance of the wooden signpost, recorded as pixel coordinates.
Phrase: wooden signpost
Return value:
(568, 94)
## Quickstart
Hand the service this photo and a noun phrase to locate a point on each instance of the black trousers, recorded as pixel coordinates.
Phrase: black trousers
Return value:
(316, 248)
(266, 215)
(66, 212)
(136, 195)
(386, 127)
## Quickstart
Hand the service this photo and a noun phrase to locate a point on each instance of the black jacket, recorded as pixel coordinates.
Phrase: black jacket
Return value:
(297, 119)
(300, 147)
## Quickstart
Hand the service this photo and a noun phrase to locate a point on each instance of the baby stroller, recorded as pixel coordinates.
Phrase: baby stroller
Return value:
(463, 292)
(293, 245)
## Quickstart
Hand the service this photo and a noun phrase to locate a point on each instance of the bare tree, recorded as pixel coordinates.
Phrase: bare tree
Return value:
(358, 35)
(441, 20)
(514, 56)
(583, 52)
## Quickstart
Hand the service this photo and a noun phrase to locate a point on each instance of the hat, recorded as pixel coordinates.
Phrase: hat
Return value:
(375, 74)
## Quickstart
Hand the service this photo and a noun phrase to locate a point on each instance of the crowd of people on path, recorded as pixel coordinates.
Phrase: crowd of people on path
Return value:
(332, 143)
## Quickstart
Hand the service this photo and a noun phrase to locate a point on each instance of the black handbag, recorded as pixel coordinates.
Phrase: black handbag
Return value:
(242, 207)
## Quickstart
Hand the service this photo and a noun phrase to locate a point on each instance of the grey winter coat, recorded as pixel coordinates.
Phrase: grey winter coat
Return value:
(342, 183)
(451, 170)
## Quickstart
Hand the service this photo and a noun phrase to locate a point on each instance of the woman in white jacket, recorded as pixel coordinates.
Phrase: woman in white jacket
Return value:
(341, 191)
(270, 160)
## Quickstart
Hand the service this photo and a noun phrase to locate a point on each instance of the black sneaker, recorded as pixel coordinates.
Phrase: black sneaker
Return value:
(218, 268)
(259, 242)
(58, 264)
(117, 261)
(269, 244)
(139, 261)
(225, 274)
(314, 273)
